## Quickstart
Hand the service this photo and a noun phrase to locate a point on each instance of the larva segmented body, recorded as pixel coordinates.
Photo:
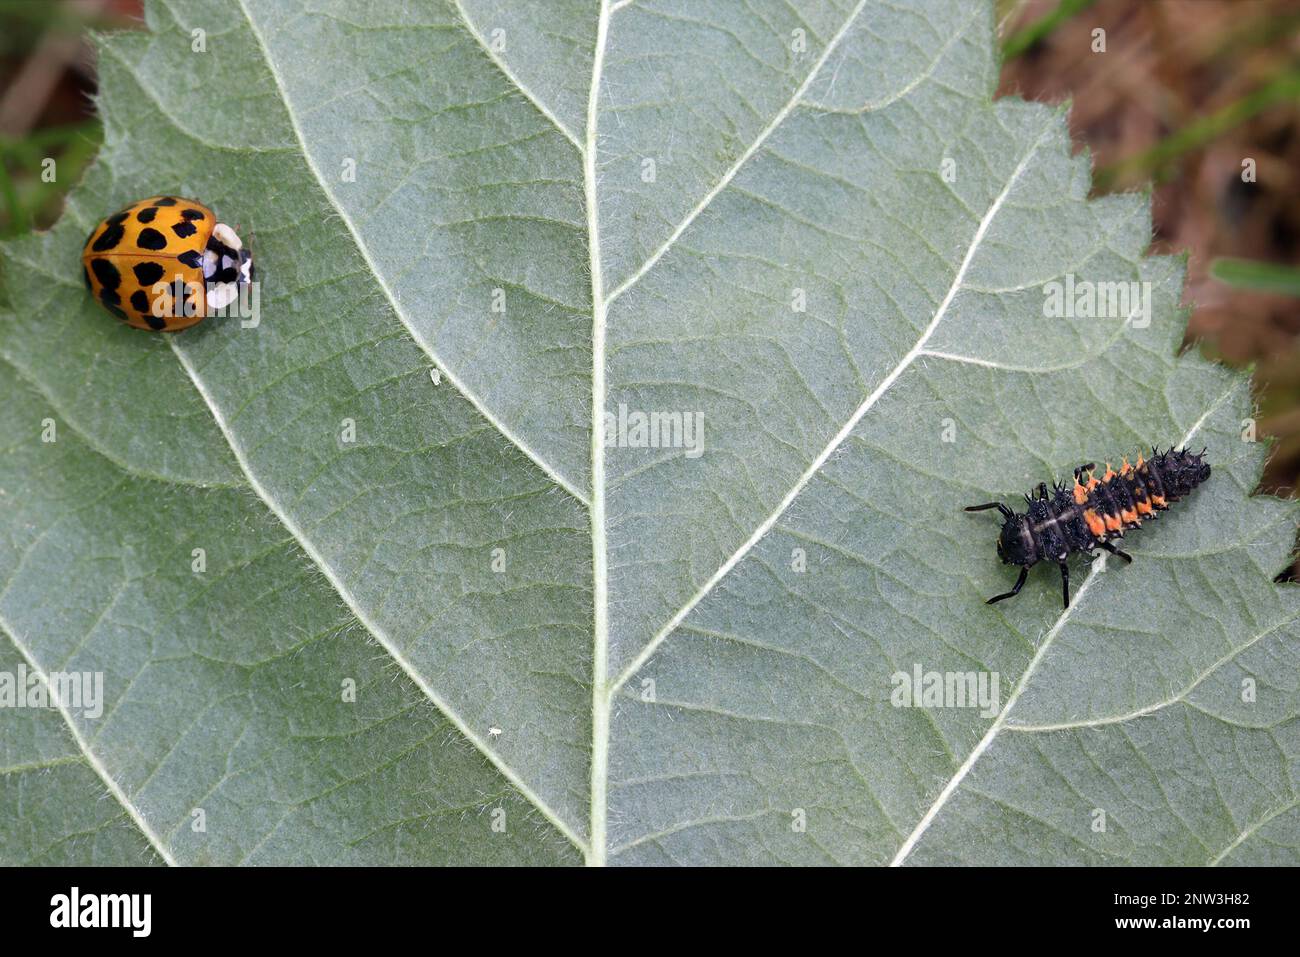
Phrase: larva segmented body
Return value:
(1092, 511)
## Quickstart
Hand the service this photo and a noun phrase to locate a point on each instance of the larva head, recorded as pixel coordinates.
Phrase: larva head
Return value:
(1015, 541)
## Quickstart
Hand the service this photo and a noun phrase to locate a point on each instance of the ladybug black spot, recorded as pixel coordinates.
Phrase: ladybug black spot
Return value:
(165, 201)
(147, 214)
(147, 273)
(106, 273)
(184, 230)
(115, 310)
(191, 257)
(118, 218)
(109, 298)
(110, 238)
(140, 302)
(150, 238)
(192, 214)
(156, 323)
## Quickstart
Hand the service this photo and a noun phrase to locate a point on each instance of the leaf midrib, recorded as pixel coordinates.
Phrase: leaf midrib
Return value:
(600, 700)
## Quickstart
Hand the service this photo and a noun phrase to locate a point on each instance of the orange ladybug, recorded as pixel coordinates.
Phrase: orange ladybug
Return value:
(164, 264)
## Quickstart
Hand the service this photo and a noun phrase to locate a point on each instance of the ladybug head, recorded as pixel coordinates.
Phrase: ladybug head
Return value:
(227, 265)
(1015, 541)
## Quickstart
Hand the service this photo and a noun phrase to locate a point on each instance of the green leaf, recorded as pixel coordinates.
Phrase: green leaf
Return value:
(1256, 276)
(1039, 30)
(808, 225)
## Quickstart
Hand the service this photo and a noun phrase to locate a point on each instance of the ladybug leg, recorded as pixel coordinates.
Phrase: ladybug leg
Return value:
(1065, 583)
(1128, 559)
(1015, 589)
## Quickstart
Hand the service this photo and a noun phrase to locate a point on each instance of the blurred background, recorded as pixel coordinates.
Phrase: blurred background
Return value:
(1184, 94)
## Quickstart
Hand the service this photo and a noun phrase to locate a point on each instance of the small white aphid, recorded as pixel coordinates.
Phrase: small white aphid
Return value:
(494, 732)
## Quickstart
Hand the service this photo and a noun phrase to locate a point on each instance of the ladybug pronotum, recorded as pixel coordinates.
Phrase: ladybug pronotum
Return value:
(133, 260)
(1092, 511)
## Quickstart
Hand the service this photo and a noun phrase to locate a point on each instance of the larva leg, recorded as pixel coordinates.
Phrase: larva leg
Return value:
(1128, 559)
(1015, 590)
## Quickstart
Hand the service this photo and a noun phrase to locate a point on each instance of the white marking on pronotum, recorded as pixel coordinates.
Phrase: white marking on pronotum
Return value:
(224, 234)
(221, 294)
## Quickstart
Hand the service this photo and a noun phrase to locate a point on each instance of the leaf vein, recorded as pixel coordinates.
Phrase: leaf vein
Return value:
(91, 758)
(379, 634)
